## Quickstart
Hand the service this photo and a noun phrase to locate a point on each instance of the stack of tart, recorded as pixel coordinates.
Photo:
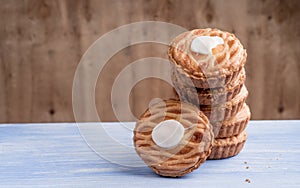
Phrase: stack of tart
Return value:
(174, 137)
(209, 73)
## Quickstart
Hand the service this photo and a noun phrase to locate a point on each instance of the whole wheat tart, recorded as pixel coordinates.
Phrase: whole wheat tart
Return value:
(228, 147)
(230, 58)
(210, 96)
(192, 150)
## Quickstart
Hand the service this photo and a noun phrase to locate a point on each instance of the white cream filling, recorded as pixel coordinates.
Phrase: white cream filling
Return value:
(167, 134)
(205, 44)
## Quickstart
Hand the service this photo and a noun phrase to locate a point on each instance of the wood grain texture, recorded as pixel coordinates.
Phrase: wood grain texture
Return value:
(42, 41)
(55, 155)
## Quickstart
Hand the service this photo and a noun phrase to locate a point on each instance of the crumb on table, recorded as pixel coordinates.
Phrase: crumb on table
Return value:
(247, 180)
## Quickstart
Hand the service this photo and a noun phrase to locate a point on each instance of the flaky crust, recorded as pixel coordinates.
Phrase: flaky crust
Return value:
(211, 96)
(228, 147)
(234, 125)
(192, 150)
(228, 59)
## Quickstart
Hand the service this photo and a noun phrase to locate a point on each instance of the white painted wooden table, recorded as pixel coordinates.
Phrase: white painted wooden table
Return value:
(55, 155)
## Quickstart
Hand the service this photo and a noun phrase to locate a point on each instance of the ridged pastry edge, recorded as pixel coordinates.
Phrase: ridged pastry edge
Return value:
(220, 80)
(208, 99)
(228, 147)
(231, 128)
(226, 111)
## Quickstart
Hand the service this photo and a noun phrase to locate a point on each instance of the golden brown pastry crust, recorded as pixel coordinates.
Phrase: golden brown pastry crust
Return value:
(211, 82)
(228, 147)
(211, 96)
(234, 125)
(227, 110)
(192, 150)
(230, 57)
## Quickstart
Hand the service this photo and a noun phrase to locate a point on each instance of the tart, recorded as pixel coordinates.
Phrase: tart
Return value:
(207, 71)
(222, 112)
(228, 147)
(234, 125)
(210, 96)
(191, 151)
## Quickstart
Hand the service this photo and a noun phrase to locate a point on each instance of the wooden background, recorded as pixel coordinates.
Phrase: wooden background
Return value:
(42, 41)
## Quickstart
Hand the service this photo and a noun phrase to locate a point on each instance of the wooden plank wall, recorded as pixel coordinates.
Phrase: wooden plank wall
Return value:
(42, 41)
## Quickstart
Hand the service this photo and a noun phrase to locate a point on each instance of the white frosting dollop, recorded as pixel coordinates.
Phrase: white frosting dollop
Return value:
(205, 44)
(167, 134)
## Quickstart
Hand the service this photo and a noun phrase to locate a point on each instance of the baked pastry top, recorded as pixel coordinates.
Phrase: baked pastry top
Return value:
(225, 59)
(189, 153)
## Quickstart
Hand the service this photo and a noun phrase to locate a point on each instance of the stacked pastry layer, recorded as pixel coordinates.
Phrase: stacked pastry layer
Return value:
(214, 82)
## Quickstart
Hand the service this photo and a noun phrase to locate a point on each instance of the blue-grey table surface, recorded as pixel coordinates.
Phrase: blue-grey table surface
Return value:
(56, 155)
